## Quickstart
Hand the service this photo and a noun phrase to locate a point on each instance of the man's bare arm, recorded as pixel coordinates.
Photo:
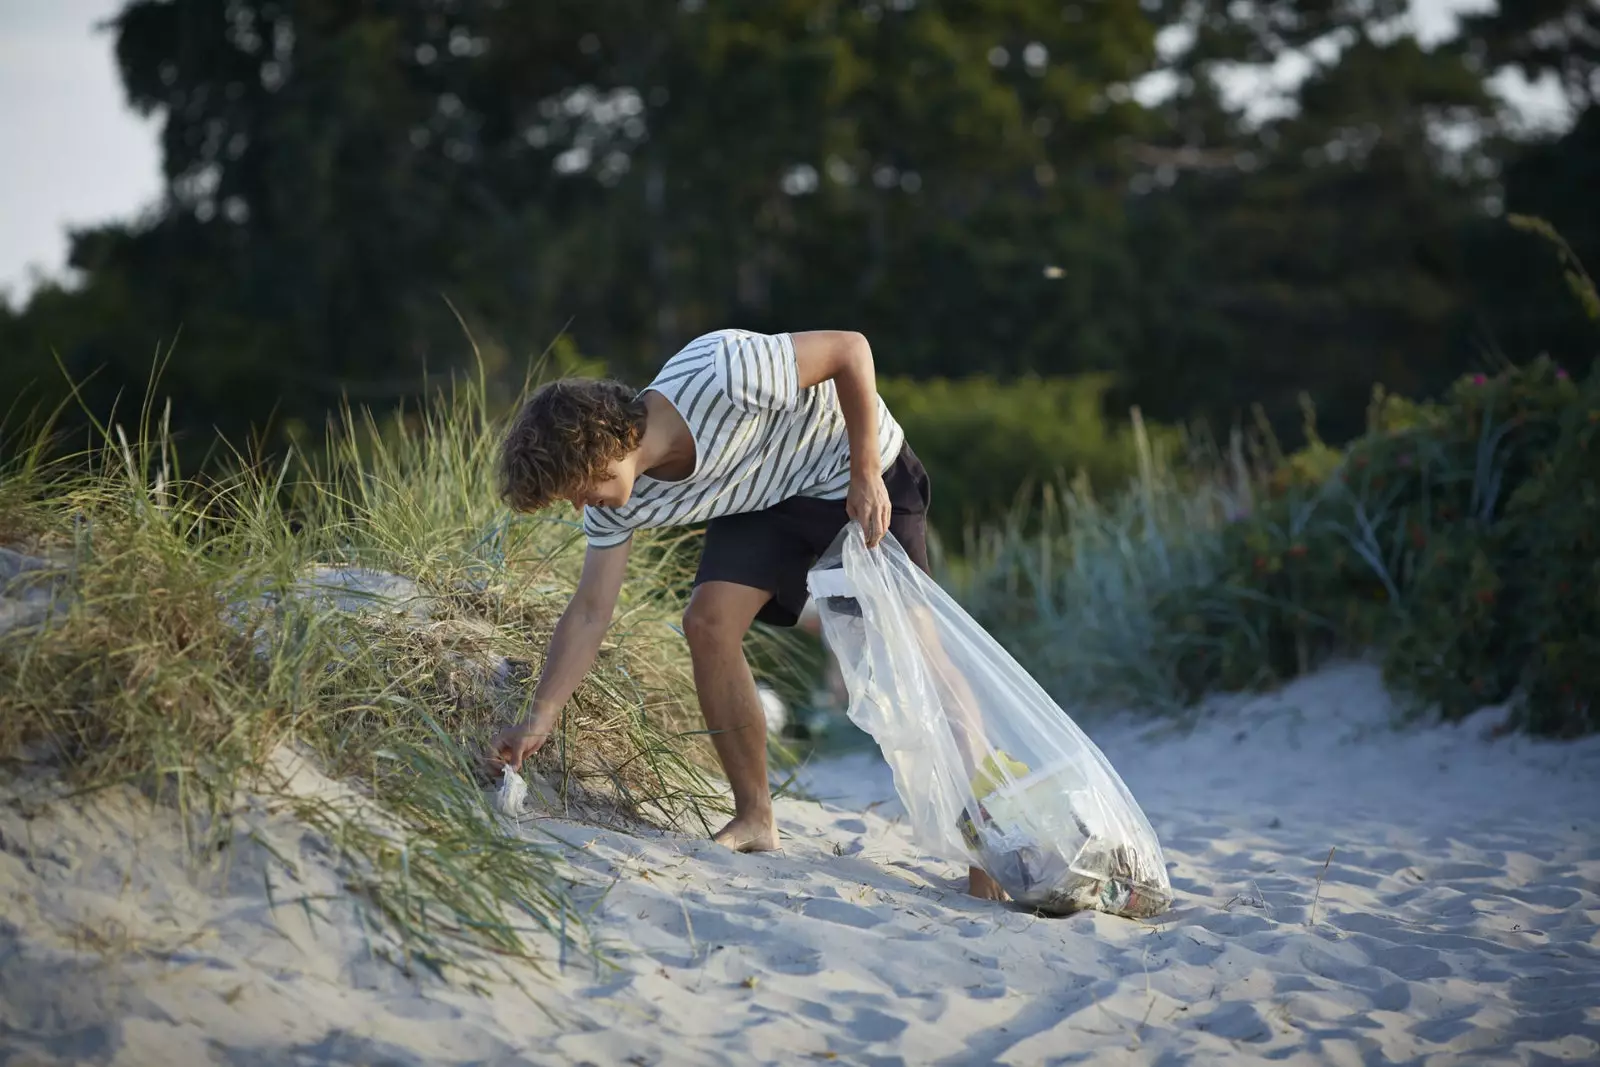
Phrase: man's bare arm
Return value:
(844, 358)
(573, 648)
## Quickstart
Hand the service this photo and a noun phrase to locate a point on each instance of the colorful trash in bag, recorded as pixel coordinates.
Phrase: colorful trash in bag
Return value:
(991, 771)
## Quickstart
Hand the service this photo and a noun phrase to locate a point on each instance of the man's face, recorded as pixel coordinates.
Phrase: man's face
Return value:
(611, 492)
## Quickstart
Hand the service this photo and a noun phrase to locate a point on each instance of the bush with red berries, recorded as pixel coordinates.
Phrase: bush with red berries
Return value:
(1459, 537)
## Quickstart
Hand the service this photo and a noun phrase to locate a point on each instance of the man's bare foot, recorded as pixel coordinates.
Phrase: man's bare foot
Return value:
(749, 833)
(980, 885)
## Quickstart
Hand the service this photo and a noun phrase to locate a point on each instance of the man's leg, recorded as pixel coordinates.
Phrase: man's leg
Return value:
(719, 615)
(960, 704)
(965, 718)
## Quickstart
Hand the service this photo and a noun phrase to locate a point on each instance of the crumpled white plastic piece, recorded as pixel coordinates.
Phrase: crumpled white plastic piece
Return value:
(513, 791)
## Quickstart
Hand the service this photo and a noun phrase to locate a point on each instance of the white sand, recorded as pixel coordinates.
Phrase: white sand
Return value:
(1456, 924)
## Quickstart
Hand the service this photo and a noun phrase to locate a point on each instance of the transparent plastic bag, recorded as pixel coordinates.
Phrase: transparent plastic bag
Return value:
(991, 771)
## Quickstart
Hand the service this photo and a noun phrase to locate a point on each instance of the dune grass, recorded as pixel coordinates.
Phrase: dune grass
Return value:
(1454, 543)
(202, 624)
(1074, 583)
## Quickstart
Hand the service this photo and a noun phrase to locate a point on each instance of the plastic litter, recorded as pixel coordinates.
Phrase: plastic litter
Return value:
(512, 792)
(990, 770)
(773, 708)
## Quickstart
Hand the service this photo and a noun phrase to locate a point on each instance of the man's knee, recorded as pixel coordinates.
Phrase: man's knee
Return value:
(711, 620)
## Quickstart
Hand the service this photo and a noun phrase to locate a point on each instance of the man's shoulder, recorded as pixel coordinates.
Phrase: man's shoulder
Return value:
(706, 346)
(746, 369)
(717, 343)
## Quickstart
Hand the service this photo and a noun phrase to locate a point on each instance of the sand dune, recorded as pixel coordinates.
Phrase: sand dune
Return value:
(1455, 923)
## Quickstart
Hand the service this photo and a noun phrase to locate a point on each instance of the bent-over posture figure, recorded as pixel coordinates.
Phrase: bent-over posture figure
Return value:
(777, 441)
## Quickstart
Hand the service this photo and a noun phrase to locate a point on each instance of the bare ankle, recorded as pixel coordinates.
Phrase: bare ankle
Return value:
(982, 885)
(749, 833)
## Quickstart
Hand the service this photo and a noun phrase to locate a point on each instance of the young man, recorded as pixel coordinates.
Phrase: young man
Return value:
(777, 442)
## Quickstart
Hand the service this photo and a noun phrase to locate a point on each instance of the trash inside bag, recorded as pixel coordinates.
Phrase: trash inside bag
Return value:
(991, 771)
(512, 792)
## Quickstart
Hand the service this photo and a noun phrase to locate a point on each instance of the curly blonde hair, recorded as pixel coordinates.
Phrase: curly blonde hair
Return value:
(565, 437)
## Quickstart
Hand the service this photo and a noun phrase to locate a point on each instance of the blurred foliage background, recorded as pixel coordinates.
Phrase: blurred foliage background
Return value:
(1034, 238)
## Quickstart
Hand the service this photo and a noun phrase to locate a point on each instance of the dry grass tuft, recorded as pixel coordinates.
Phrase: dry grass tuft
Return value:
(370, 603)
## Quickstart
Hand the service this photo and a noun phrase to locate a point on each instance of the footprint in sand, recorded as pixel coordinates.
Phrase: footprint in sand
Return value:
(1412, 963)
(801, 964)
(1236, 1022)
(844, 913)
(863, 1024)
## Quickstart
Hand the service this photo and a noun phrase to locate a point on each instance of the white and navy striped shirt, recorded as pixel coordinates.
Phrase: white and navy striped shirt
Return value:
(759, 438)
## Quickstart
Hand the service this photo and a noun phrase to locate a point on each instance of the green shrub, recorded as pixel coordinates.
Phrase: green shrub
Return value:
(1553, 564)
(1424, 542)
(1458, 537)
(988, 443)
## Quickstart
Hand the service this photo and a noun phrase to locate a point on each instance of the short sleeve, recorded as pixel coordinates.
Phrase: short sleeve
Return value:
(602, 530)
(759, 371)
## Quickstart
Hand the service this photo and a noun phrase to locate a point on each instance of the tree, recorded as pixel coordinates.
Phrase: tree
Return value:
(1324, 255)
(640, 170)
(1536, 37)
(1516, 280)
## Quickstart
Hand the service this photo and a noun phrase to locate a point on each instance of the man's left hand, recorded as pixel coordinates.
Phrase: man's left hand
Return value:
(868, 504)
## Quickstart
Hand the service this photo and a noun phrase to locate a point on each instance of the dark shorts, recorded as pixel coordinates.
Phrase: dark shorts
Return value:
(774, 549)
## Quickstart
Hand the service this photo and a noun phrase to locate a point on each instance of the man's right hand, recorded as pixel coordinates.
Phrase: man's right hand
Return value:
(518, 741)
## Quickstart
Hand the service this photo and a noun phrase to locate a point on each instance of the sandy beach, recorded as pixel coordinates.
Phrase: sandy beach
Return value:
(1456, 922)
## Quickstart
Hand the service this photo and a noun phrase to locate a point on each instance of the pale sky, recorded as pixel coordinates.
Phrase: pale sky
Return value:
(76, 155)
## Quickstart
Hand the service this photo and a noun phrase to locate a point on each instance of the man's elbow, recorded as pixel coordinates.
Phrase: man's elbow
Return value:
(855, 352)
(829, 355)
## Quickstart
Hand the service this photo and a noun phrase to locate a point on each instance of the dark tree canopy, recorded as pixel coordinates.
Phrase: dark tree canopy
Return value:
(974, 184)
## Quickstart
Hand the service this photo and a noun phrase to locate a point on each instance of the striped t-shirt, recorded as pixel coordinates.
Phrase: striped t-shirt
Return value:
(759, 438)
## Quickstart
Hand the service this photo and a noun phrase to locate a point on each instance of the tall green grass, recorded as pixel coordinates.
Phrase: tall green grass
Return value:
(189, 644)
(1074, 583)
